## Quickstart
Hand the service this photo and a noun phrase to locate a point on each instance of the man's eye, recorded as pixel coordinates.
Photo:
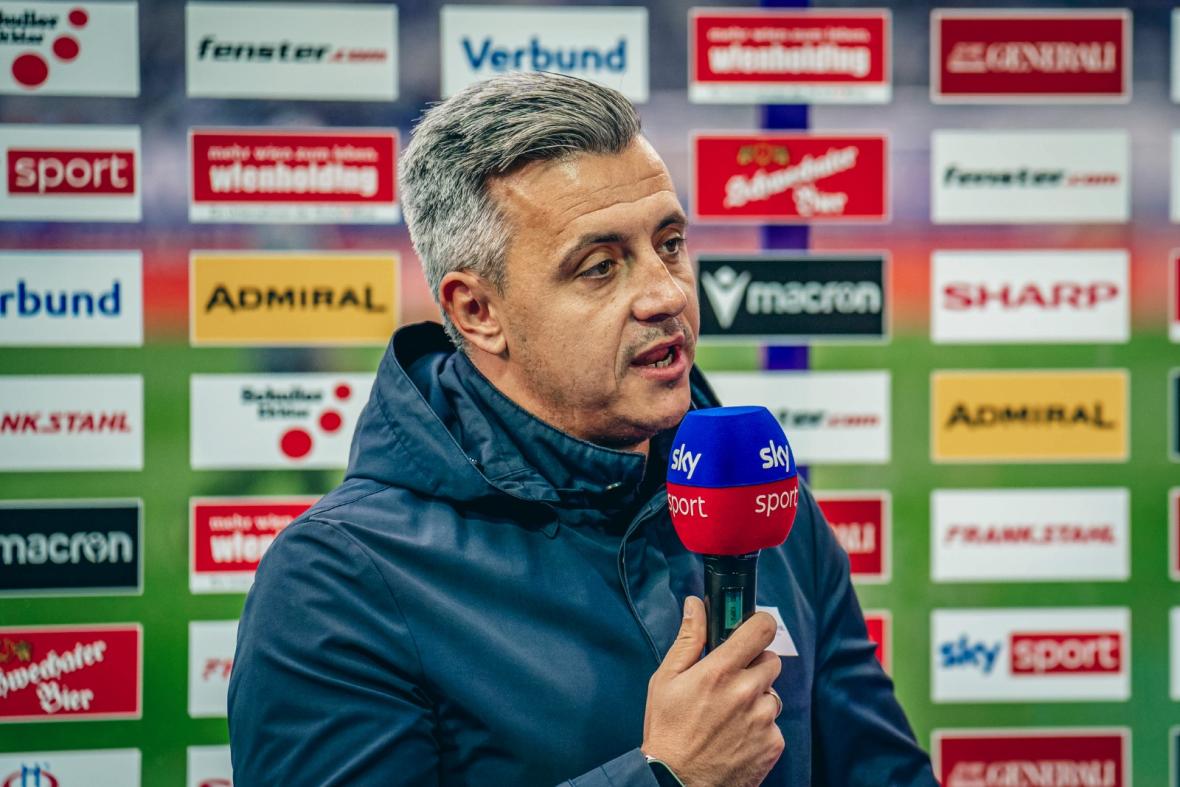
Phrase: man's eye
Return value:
(674, 245)
(599, 271)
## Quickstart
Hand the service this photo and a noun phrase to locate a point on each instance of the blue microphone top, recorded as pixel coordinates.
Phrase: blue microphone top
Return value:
(730, 446)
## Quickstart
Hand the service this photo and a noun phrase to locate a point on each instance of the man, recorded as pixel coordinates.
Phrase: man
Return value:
(495, 595)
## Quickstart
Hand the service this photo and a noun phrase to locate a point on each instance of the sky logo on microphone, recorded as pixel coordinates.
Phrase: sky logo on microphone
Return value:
(685, 460)
(775, 456)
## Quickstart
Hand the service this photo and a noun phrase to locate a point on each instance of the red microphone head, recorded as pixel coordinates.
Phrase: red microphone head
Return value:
(732, 483)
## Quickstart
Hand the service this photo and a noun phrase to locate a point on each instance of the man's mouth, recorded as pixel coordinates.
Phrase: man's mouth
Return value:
(665, 354)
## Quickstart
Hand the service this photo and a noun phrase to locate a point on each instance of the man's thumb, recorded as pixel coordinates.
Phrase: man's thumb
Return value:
(686, 650)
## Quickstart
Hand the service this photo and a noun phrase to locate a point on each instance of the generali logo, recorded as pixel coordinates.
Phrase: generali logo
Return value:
(1030, 296)
(69, 49)
(1028, 757)
(789, 56)
(211, 645)
(51, 673)
(70, 173)
(790, 178)
(1030, 56)
(229, 535)
(1022, 655)
(268, 175)
(97, 768)
(879, 624)
(861, 523)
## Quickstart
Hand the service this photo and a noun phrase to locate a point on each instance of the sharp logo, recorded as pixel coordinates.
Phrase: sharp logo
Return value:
(725, 290)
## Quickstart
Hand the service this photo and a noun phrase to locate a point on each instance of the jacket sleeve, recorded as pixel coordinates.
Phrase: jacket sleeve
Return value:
(626, 770)
(860, 733)
(327, 686)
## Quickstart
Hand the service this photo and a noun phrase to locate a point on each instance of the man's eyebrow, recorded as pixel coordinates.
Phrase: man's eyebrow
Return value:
(675, 217)
(596, 239)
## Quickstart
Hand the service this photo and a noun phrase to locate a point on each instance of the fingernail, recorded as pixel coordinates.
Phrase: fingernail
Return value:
(689, 608)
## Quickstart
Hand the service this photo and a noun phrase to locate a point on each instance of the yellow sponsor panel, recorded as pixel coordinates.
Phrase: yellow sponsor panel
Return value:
(1029, 416)
(240, 298)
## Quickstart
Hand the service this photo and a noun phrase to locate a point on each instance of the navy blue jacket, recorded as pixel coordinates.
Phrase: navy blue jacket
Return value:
(484, 598)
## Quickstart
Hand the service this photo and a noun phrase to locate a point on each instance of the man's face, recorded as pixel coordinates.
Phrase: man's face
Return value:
(600, 310)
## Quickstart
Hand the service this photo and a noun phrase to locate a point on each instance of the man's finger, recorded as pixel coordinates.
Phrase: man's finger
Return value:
(745, 643)
(686, 650)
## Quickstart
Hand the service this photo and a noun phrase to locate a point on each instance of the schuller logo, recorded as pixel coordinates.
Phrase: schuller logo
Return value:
(861, 523)
(209, 766)
(98, 768)
(790, 178)
(274, 420)
(1012, 757)
(1030, 416)
(336, 52)
(268, 175)
(71, 422)
(292, 298)
(1059, 535)
(71, 547)
(69, 173)
(1018, 655)
(789, 56)
(69, 49)
(1030, 177)
(229, 535)
(211, 646)
(793, 297)
(55, 673)
(1030, 56)
(605, 45)
(71, 299)
(829, 417)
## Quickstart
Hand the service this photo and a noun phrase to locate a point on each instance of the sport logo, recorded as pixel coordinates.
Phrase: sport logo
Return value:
(66, 49)
(1013, 56)
(790, 178)
(228, 537)
(861, 523)
(1055, 653)
(1093, 757)
(32, 171)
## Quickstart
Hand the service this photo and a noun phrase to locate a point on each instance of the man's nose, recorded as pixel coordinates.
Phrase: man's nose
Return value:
(660, 295)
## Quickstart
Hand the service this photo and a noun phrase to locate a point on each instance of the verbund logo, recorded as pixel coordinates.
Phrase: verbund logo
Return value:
(806, 56)
(1033, 56)
(249, 175)
(1056, 653)
(228, 537)
(99, 768)
(71, 171)
(1030, 757)
(879, 624)
(790, 178)
(861, 523)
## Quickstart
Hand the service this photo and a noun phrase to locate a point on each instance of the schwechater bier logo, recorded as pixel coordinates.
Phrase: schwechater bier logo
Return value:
(1091, 756)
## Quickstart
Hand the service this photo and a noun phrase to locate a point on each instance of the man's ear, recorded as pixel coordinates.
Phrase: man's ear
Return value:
(469, 300)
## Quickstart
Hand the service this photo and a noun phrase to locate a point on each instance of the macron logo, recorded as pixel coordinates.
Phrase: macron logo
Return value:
(685, 461)
(774, 456)
(725, 290)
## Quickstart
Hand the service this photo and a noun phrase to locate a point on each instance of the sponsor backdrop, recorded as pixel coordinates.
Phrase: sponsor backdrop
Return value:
(939, 243)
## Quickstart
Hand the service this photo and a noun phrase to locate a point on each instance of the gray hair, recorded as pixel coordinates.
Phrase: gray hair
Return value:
(487, 130)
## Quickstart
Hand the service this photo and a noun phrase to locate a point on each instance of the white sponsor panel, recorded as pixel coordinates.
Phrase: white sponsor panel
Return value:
(1174, 616)
(274, 420)
(829, 417)
(335, 51)
(1027, 655)
(71, 422)
(1058, 535)
(98, 768)
(1174, 192)
(606, 45)
(211, 646)
(209, 766)
(1030, 177)
(71, 299)
(1030, 296)
(69, 173)
(1175, 55)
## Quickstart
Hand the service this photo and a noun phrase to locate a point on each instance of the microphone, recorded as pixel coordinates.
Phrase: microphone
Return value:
(733, 489)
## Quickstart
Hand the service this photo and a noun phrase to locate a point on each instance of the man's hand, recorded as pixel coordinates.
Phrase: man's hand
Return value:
(712, 720)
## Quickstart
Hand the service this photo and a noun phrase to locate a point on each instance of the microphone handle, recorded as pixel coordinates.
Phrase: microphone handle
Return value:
(731, 584)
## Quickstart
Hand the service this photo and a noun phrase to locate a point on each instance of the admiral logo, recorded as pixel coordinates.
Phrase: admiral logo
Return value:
(605, 45)
(274, 420)
(1026, 56)
(788, 57)
(829, 417)
(1028, 535)
(1028, 655)
(71, 547)
(1030, 177)
(245, 175)
(793, 298)
(209, 766)
(71, 422)
(99, 768)
(337, 52)
(790, 178)
(62, 299)
(1079, 756)
(879, 624)
(861, 523)
(292, 298)
(228, 537)
(70, 173)
(211, 646)
(49, 673)
(1030, 296)
(1174, 296)
(64, 49)
(1029, 415)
